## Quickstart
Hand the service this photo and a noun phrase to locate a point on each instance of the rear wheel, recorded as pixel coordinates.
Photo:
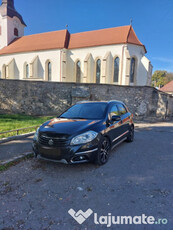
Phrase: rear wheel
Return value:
(103, 152)
(130, 137)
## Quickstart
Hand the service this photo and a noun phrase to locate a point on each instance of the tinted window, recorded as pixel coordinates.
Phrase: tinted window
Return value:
(89, 111)
(122, 109)
(114, 111)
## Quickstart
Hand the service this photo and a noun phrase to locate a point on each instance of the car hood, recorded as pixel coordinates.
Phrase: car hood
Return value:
(67, 127)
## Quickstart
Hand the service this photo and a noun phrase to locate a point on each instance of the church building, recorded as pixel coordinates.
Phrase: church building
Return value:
(113, 55)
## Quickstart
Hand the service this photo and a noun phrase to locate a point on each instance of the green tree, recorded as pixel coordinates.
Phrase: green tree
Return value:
(160, 78)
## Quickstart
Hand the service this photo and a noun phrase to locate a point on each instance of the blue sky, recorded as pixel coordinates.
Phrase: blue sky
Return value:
(152, 21)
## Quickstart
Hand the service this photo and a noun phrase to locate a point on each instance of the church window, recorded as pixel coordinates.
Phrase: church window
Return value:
(132, 70)
(48, 70)
(27, 71)
(49, 67)
(98, 70)
(116, 70)
(78, 71)
(16, 32)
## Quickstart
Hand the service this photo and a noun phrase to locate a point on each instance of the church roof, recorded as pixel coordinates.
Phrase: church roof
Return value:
(117, 35)
(7, 9)
(62, 39)
(168, 87)
(36, 42)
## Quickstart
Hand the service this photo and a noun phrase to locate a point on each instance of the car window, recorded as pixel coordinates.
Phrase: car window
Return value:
(114, 111)
(122, 109)
(86, 111)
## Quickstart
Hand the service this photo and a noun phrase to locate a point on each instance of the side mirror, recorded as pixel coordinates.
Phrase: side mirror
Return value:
(116, 118)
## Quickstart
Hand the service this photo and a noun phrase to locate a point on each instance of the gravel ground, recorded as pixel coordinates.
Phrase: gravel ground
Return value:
(138, 179)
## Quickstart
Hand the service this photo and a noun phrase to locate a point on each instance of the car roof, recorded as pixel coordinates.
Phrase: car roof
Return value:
(108, 102)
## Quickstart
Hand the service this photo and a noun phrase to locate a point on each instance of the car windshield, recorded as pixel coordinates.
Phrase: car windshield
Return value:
(90, 111)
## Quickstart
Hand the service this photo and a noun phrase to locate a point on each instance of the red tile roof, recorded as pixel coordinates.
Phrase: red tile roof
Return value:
(168, 87)
(117, 35)
(62, 39)
(44, 41)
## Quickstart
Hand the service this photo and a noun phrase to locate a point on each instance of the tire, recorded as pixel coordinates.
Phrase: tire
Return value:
(104, 152)
(130, 137)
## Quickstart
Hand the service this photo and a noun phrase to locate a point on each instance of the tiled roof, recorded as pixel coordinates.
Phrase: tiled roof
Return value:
(168, 87)
(62, 39)
(36, 42)
(117, 35)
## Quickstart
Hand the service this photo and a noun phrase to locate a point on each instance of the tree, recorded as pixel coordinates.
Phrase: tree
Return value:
(161, 78)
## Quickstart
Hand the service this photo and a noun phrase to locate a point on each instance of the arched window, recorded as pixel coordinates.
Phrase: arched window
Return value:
(49, 67)
(78, 71)
(16, 33)
(48, 70)
(132, 70)
(98, 70)
(116, 70)
(27, 71)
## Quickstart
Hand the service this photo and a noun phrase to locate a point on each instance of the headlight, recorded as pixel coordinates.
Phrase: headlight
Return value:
(84, 138)
(36, 135)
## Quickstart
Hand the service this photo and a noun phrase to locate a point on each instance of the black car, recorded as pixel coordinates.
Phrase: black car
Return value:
(86, 132)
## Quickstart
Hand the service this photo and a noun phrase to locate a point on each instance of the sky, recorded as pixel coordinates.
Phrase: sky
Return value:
(152, 21)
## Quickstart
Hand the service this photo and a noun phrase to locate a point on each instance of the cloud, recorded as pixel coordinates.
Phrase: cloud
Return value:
(162, 59)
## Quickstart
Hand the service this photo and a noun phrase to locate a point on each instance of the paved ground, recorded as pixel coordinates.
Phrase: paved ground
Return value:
(14, 148)
(138, 179)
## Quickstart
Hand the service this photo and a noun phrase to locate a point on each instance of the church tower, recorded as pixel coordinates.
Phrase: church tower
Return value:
(11, 23)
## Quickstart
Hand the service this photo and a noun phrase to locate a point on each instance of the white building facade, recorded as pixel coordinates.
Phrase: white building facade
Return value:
(113, 56)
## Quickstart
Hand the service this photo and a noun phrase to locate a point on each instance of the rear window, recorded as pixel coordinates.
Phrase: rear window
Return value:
(91, 111)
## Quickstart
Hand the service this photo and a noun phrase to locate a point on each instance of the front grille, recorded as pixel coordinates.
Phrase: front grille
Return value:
(52, 141)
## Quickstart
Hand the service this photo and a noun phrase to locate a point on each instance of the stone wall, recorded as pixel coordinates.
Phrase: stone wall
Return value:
(51, 98)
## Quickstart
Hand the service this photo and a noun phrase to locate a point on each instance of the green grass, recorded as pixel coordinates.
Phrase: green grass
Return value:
(11, 122)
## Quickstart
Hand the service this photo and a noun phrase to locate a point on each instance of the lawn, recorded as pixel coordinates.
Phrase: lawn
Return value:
(17, 121)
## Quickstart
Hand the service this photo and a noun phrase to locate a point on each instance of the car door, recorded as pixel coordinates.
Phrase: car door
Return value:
(124, 118)
(115, 128)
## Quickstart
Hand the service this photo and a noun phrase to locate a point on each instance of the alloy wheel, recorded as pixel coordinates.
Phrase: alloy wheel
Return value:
(104, 151)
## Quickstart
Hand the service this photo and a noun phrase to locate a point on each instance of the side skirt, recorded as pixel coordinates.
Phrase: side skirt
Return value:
(118, 143)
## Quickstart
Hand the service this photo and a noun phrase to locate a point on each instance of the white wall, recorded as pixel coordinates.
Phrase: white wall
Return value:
(100, 52)
(96, 52)
(7, 30)
(11, 24)
(64, 68)
(141, 70)
(43, 56)
(3, 36)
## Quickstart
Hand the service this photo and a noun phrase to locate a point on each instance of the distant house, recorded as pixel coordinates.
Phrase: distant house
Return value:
(168, 88)
(113, 55)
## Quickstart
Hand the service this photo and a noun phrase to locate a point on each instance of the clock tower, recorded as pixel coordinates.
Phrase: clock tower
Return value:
(11, 23)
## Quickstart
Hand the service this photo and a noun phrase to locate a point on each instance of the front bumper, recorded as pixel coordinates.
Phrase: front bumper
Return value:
(68, 154)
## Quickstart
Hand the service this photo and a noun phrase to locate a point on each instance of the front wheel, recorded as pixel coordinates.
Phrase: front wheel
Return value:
(103, 152)
(130, 137)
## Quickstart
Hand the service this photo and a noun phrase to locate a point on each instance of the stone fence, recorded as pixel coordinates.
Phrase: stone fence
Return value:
(51, 98)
